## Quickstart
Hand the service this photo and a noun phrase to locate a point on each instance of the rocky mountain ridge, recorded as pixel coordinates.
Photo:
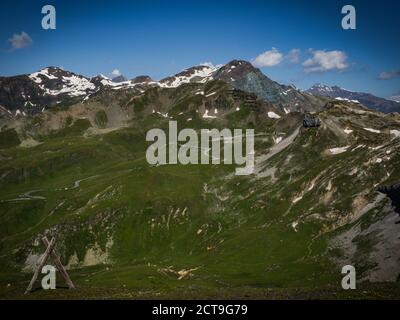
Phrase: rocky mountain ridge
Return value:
(367, 99)
(52, 87)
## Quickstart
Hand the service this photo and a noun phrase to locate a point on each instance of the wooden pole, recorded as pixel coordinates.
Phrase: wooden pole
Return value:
(43, 261)
(60, 267)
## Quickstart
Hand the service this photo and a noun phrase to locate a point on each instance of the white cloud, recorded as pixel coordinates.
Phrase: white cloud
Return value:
(19, 41)
(388, 75)
(325, 61)
(294, 56)
(116, 73)
(268, 59)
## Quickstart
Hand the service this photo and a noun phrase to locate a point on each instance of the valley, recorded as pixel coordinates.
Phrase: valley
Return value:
(129, 229)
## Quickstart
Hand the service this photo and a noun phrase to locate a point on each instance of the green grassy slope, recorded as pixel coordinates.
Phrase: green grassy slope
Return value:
(121, 223)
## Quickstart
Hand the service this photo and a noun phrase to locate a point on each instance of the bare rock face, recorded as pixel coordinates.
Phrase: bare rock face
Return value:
(5, 116)
(242, 75)
(310, 121)
(19, 92)
(393, 192)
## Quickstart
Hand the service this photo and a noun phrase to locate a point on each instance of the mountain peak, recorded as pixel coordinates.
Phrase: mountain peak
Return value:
(242, 65)
(54, 68)
(119, 79)
(101, 76)
(238, 62)
(200, 73)
(319, 87)
(52, 73)
(242, 75)
(327, 88)
(142, 79)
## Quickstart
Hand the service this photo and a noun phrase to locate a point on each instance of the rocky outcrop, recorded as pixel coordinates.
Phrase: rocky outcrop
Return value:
(393, 192)
(242, 75)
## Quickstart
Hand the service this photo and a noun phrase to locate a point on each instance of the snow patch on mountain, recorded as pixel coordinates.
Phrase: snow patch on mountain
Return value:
(345, 99)
(199, 74)
(273, 115)
(338, 150)
(44, 72)
(395, 133)
(297, 199)
(395, 98)
(73, 86)
(372, 130)
(207, 116)
(277, 139)
(65, 82)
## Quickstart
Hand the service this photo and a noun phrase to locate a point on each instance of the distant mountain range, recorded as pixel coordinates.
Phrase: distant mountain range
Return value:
(53, 86)
(395, 98)
(367, 99)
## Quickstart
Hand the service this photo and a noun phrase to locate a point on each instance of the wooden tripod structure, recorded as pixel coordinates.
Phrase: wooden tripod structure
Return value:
(50, 251)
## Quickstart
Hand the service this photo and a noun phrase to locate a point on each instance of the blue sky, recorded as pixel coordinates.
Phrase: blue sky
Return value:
(160, 38)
